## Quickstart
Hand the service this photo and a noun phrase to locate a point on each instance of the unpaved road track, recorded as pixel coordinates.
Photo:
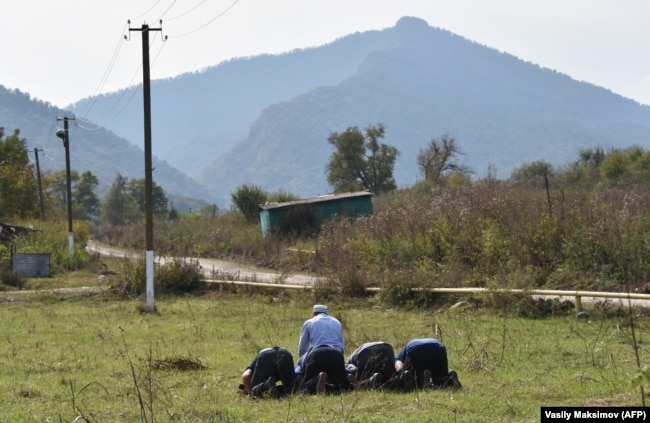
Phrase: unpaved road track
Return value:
(235, 273)
(212, 268)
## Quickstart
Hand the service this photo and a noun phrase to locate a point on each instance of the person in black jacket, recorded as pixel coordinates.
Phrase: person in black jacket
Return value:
(373, 364)
(322, 370)
(267, 368)
(427, 359)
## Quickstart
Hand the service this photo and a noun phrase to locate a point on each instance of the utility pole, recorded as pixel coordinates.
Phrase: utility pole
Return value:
(148, 163)
(64, 135)
(40, 186)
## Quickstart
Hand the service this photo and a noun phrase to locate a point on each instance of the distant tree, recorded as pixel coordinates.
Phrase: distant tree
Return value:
(459, 179)
(160, 201)
(58, 187)
(633, 161)
(282, 196)
(360, 161)
(439, 158)
(639, 158)
(591, 157)
(532, 170)
(173, 214)
(18, 185)
(586, 170)
(86, 205)
(614, 165)
(209, 210)
(247, 199)
(119, 207)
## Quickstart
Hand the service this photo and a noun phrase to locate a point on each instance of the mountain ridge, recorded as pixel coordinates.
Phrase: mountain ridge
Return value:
(92, 148)
(265, 119)
(487, 111)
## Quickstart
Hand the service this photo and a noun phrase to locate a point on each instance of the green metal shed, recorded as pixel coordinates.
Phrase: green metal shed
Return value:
(305, 216)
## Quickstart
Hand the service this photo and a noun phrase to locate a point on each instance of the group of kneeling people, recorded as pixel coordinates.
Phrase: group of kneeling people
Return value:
(321, 368)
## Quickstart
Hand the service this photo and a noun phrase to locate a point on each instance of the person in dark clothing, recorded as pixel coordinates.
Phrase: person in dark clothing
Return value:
(427, 359)
(322, 370)
(372, 363)
(269, 366)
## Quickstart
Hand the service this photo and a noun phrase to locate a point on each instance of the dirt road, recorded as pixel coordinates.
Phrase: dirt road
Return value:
(217, 269)
(237, 273)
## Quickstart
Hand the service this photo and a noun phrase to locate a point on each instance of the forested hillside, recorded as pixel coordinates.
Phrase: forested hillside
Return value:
(502, 111)
(197, 117)
(92, 148)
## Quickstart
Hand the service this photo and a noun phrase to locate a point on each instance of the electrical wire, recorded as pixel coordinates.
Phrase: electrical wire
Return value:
(209, 22)
(124, 91)
(47, 153)
(88, 108)
(148, 10)
(134, 92)
(153, 62)
(166, 10)
(79, 122)
(186, 12)
(122, 94)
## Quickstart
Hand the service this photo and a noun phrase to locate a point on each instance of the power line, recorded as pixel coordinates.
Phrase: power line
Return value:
(166, 10)
(107, 73)
(209, 22)
(148, 10)
(157, 54)
(89, 106)
(93, 99)
(134, 91)
(79, 121)
(186, 12)
(122, 94)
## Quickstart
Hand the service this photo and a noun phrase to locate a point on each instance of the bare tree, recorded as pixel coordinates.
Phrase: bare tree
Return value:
(440, 157)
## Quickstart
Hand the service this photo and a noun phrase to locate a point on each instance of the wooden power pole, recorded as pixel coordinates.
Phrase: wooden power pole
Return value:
(148, 166)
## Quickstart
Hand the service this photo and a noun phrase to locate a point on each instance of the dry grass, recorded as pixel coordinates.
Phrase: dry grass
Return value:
(61, 357)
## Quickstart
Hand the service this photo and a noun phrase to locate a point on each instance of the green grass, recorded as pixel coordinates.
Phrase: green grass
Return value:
(63, 356)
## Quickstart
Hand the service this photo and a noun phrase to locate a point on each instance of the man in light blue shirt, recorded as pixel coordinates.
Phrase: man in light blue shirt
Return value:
(321, 329)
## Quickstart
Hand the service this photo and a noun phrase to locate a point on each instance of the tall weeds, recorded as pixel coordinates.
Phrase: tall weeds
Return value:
(501, 234)
(577, 232)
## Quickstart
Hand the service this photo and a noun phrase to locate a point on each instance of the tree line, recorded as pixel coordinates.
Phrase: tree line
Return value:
(359, 161)
(582, 225)
(26, 195)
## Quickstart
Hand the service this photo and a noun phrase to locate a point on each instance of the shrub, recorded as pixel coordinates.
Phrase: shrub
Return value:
(179, 277)
(247, 198)
(53, 238)
(12, 279)
(131, 278)
(173, 277)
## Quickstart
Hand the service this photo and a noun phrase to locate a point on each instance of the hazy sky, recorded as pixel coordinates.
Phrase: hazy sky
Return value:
(60, 51)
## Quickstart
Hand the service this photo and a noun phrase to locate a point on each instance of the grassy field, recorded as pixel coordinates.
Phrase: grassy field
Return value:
(92, 355)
